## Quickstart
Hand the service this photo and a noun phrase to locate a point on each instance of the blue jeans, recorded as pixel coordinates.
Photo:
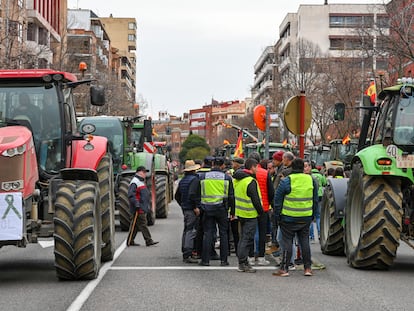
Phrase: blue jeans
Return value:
(210, 219)
(317, 220)
(248, 228)
(260, 235)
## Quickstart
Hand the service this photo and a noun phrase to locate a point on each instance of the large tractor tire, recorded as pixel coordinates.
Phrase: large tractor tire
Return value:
(152, 213)
(332, 231)
(123, 202)
(106, 190)
(373, 220)
(77, 230)
(161, 196)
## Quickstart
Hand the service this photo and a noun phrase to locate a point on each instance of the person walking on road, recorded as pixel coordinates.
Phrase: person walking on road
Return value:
(139, 204)
(296, 201)
(248, 206)
(216, 197)
(190, 211)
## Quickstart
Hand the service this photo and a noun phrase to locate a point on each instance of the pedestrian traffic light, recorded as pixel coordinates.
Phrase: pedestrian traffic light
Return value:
(245, 135)
(339, 112)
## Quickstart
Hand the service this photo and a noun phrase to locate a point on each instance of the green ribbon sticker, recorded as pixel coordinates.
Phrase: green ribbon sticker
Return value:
(9, 200)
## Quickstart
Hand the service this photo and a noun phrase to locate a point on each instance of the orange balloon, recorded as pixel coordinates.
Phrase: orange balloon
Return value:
(259, 117)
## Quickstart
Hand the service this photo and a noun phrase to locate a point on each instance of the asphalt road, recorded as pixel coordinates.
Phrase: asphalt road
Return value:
(155, 278)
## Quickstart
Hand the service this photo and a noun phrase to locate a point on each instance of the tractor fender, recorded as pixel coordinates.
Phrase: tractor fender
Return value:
(120, 175)
(89, 154)
(339, 187)
(160, 164)
(369, 156)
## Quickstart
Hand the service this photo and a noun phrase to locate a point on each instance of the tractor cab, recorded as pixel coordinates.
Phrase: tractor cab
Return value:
(38, 108)
(395, 123)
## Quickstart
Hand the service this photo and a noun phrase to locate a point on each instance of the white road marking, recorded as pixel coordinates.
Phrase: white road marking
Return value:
(87, 291)
(46, 243)
(195, 267)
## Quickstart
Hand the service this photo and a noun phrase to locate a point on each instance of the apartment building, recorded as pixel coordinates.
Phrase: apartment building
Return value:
(262, 89)
(123, 34)
(31, 32)
(333, 30)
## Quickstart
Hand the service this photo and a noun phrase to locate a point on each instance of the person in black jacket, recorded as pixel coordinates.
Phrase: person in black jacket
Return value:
(190, 211)
(139, 204)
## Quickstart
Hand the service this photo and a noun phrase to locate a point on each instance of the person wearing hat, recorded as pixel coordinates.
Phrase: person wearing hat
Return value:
(139, 204)
(216, 195)
(190, 211)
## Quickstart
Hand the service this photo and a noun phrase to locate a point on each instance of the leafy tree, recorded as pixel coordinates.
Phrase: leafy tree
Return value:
(193, 148)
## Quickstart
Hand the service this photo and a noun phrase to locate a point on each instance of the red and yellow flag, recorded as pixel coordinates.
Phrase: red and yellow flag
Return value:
(371, 91)
(346, 139)
(238, 152)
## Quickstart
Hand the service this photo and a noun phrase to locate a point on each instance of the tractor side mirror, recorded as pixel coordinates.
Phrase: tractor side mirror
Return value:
(339, 112)
(97, 95)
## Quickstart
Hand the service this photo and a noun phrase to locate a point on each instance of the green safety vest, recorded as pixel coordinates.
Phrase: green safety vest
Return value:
(298, 203)
(214, 188)
(244, 205)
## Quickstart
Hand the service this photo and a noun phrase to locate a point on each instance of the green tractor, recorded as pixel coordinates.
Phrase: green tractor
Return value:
(341, 153)
(131, 146)
(366, 216)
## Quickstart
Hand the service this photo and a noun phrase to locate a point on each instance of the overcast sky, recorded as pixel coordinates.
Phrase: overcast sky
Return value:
(190, 51)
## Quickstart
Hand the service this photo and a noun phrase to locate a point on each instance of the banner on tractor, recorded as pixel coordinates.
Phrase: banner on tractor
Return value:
(11, 216)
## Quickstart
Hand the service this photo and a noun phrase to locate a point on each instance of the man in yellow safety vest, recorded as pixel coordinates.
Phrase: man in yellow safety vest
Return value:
(248, 206)
(296, 201)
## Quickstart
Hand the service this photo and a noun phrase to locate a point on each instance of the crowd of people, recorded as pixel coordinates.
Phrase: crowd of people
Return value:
(260, 207)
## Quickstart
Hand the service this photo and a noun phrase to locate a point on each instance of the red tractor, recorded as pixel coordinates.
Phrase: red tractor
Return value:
(54, 183)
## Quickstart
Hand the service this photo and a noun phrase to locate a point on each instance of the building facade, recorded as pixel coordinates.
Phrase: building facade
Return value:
(123, 34)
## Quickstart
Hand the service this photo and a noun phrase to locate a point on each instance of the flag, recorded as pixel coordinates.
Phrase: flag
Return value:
(346, 139)
(371, 91)
(238, 152)
(284, 143)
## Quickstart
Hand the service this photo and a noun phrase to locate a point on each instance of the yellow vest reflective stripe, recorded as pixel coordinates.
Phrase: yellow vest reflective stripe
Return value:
(214, 188)
(244, 205)
(298, 203)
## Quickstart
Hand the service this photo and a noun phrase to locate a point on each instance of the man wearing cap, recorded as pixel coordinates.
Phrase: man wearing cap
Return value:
(139, 204)
(216, 195)
(198, 247)
(190, 210)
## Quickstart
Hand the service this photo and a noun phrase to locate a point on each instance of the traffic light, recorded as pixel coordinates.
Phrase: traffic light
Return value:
(339, 112)
(245, 135)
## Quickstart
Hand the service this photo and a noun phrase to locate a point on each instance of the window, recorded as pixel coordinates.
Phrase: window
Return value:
(383, 22)
(131, 37)
(348, 44)
(351, 21)
(31, 32)
(132, 26)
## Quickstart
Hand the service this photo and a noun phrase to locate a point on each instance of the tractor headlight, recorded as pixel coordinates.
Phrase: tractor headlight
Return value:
(14, 151)
(12, 185)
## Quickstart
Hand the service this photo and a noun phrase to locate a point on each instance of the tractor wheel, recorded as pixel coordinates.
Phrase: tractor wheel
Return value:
(332, 231)
(77, 230)
(152, 213)
(123, 202)
(161, 196)
(373, 220)
(106, 190)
